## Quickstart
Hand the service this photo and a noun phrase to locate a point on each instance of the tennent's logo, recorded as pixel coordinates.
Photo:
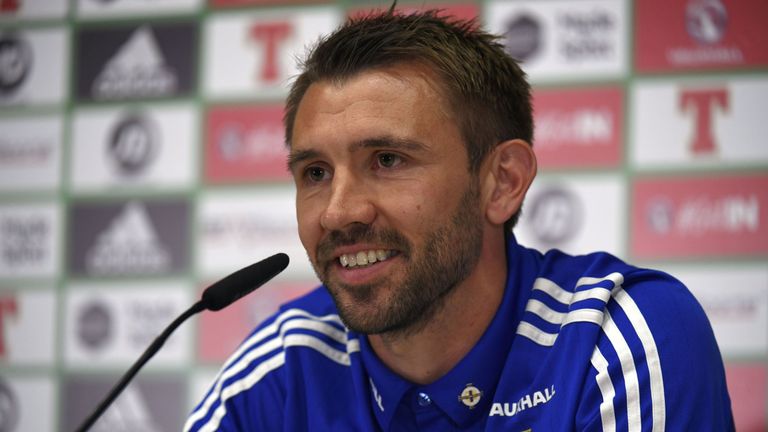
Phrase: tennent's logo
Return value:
(270, 35)
(8, 311)
(702, 104)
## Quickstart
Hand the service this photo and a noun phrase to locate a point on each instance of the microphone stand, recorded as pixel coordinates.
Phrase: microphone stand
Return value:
(148, 353)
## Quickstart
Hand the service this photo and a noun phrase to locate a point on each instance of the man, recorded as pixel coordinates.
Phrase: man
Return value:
(410, 148)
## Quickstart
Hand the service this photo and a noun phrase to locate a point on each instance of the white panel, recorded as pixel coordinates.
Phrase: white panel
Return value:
(30, 153)
(29, 240)
(116, 8)
(664, 127)
(239, 228)
(735, 299)
(577, 215)
(565, 39)
(44, 54)
(161, 140)
(240, 64)
(29, 327)
(112, 324)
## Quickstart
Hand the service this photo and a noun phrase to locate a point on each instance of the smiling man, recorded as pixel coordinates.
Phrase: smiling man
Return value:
(410, 145)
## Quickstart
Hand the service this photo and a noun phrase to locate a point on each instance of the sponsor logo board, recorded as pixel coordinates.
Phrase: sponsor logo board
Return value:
(29, 240)
(30, 153)
(746, 387)
(136, 62)
(32, 9)
(119, 8)
(562, 39)
(27, 403)
(238, 228)
(253, 54)
(27, 327)
(27, 58)
(129, 238)
(699, 216)
(220, 334)
(138, 147)
(149, 403)
(700, 34)
(735, 299)
(245, 143)
(579, 215)
(699, 123)
(112, 324)
(578, 127)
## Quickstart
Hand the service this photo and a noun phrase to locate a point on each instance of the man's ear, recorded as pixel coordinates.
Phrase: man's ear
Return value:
(511, 169)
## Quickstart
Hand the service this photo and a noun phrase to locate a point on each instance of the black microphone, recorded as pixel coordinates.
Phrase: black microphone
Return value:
(216, 297)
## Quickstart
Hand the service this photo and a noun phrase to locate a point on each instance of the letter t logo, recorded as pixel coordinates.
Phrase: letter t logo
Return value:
(702, 102)
(8, 306)
(270, 34)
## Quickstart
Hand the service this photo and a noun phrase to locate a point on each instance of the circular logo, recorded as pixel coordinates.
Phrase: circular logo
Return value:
(660, 215)
(555, 216)
(9, 408)
(706, 20)
(15, 62)
(523, 37)
(133, 144)
(470, 396)
(95, 325)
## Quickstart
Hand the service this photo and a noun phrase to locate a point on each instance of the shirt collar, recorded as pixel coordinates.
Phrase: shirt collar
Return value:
(477, 374)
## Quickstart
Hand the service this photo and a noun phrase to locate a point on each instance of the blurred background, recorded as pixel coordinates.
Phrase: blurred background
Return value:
(141, 158)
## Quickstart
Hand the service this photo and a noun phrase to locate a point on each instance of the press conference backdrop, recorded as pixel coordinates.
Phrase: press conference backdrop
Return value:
(141, 158)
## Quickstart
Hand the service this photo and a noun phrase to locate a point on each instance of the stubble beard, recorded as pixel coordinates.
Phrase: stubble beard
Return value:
(401, 307)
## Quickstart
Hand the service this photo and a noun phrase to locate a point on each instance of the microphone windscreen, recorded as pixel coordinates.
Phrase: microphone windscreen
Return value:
(240, 283)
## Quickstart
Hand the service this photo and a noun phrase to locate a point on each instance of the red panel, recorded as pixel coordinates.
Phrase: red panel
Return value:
(245, 144)
(698, 34)
(747, 387)
(578, 127)
(695, 217)
(221, 332)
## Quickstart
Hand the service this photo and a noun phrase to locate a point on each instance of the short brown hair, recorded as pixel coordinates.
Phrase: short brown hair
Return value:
(487, 90)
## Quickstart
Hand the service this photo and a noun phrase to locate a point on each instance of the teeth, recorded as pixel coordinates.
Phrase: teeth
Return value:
(363, 258)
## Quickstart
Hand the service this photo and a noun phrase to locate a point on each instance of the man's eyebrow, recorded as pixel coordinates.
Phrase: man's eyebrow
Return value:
(391, 143)
(296, 157)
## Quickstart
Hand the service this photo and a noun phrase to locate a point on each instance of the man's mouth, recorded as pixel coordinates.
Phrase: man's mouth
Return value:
(365, 258)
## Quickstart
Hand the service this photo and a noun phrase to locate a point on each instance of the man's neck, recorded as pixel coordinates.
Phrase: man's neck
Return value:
(427, 354)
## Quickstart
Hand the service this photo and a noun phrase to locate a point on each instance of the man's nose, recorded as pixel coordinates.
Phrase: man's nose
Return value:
(350, 202)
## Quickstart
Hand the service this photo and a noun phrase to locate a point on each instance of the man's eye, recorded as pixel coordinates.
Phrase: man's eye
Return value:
(388, 160)
(316, 174)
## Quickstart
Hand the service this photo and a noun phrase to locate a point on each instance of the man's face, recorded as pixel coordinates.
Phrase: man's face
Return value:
(387, 209)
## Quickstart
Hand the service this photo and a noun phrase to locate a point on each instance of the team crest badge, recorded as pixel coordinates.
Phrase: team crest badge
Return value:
(470, 396)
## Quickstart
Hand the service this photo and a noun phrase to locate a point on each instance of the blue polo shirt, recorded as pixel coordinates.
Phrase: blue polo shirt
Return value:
(579, 343)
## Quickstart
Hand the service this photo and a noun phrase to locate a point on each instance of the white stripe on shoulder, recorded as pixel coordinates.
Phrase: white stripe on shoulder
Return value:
(615, 277)
(628, 371)
(249, 351)
(274, 362)
(554, 290)
(545, 312)
(652, 359)
(535, 334)
(603, 380)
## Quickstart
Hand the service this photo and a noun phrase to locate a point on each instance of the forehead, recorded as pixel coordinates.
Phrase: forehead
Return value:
(403, 99)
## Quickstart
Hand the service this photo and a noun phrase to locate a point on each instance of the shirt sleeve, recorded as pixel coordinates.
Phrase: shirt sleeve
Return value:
(656, 365)
(248, 393)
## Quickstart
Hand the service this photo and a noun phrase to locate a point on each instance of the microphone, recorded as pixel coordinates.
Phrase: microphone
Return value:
(216, 297)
